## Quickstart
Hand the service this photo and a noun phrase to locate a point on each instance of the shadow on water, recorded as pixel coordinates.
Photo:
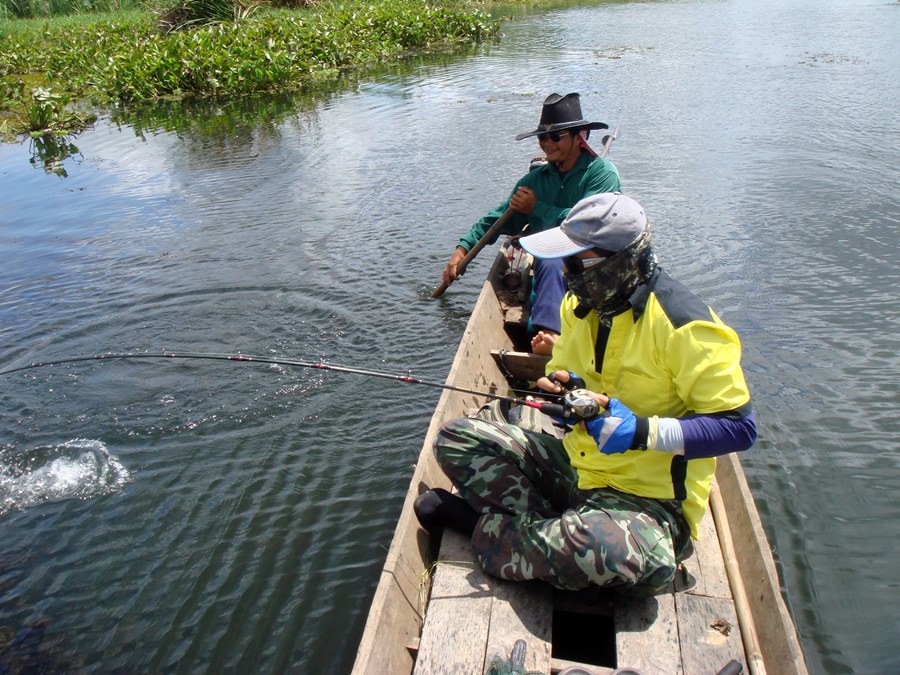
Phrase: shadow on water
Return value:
(30, 649)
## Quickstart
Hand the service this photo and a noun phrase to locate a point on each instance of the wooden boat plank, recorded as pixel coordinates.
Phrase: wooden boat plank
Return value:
(647, 634)
(708, 633)
(780, 648)
(454, 637)
(703, 573)
(473, 618)
(516, 316)
(522, 612)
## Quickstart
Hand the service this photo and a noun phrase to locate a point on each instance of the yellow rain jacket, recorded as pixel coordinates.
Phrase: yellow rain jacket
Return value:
(667, 355)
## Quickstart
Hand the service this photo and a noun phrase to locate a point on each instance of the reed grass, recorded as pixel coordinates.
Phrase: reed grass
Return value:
(27, 9)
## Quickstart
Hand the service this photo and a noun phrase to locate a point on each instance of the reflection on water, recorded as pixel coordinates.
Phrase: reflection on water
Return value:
(50, 152)
(761, 137)
(231, 119)
(221, 120)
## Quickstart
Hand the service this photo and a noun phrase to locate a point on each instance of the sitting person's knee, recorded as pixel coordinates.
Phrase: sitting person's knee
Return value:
(617, 551)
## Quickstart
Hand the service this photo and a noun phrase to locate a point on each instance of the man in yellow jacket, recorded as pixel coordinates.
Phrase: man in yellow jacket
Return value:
(616, 501)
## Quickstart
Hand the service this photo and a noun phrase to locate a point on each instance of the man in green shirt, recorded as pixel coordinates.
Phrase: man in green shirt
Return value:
(543, 197)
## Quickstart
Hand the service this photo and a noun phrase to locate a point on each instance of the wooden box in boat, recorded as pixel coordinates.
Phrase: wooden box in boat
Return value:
(434, 611)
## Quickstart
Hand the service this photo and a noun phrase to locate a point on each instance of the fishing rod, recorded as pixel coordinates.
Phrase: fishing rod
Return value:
(573, 405)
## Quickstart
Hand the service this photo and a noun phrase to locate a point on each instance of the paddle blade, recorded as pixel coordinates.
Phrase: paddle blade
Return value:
(439, 291)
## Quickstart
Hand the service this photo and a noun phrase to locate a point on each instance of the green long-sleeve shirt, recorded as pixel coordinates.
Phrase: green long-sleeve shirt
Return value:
(556, 193)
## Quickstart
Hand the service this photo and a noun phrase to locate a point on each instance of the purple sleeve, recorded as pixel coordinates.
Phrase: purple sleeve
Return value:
(714, 435)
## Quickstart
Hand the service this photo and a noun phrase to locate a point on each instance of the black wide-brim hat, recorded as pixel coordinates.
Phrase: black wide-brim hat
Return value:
(561, 112)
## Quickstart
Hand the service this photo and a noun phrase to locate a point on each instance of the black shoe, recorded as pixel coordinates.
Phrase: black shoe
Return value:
(437, 509)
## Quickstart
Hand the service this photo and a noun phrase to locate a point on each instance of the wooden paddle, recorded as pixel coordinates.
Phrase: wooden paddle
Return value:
(493, 231)
(607, 141)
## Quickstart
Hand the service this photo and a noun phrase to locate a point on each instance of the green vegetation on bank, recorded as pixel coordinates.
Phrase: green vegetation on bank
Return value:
(28, 9)
(141, 55)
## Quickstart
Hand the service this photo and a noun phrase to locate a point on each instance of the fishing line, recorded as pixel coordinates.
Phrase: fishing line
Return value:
(316, 365)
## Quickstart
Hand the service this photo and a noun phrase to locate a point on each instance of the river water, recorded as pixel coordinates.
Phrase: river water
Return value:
(188, 516)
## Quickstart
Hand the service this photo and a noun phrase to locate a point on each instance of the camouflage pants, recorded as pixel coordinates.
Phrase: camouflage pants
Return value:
(537, 524)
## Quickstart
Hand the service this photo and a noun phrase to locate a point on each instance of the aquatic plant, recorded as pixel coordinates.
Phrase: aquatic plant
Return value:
(47, 117)
(47, 112)
(45, 108)
(130, 59)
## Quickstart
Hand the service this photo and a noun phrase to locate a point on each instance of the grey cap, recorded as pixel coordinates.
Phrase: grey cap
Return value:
(609, 220)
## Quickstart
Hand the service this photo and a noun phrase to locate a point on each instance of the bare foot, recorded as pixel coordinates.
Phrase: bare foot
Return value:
(543, 342)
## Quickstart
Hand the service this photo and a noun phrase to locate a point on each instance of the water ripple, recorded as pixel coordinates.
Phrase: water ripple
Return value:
(762, 139)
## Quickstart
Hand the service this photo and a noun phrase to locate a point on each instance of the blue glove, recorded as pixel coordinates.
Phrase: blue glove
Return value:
(614, 430)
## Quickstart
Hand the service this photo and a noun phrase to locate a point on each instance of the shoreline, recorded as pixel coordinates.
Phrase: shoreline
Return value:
(52, 69)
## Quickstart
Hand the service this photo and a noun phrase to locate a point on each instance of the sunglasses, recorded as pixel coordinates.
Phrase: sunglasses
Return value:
(553, 136)
(576, 265)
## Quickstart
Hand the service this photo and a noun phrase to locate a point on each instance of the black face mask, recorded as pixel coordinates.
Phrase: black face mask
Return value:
(606, 286)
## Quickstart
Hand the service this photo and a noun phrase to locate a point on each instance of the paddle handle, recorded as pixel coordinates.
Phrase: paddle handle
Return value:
(607, 142)
(492, 232)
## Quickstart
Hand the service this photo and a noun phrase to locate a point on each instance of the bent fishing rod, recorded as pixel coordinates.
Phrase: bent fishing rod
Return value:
(573, 404)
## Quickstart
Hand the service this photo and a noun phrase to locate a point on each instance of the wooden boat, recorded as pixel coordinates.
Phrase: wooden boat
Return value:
(435, 611)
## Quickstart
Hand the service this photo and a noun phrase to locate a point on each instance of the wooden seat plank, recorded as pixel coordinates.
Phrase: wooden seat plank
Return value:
(521, 365)
(517, 315)
(521, 611)
(472, 617)
(456, 625)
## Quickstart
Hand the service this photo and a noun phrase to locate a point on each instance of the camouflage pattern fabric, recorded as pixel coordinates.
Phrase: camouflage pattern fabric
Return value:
(606, 287)
(537, 524)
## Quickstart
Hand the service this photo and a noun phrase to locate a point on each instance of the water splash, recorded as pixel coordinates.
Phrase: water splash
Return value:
(76, 469)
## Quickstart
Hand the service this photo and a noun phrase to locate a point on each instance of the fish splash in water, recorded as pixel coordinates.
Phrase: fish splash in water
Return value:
(79, 469)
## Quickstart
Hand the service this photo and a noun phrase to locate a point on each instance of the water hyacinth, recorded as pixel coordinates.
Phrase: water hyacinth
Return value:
(134, 59)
